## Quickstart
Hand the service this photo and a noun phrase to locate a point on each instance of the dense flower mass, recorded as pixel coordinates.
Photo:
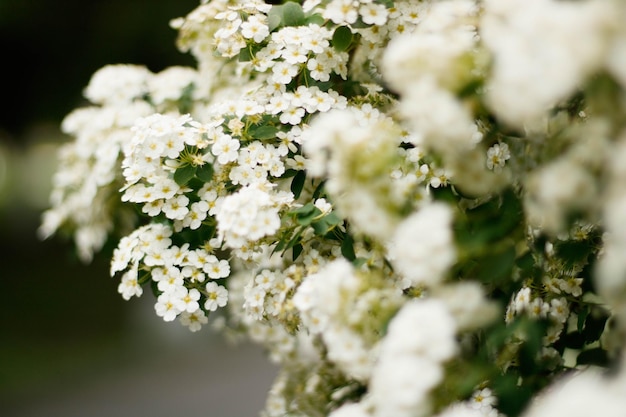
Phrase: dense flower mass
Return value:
(416, 206)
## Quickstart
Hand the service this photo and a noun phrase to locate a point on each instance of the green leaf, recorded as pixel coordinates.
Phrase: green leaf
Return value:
(512, 399)
(355, 89)
(473, 375)
(359, 262)
(596, 356)
(444, 194)
(319, 190)
(582, 316)
(333, 219)
(491, 221)
(297, 184)
(498, 336)
(347, 248)
(320, 227)
(305, 219)
(573, 340)
(292, 14)
(497, 266)
(304, 210)
(528, 269)
(154, 287)
(209, 227)
(573, 252)
(526, 261)
(184, 174)
(245, 55)
(325, 224)
(342, 38)
(264, 132)
(289, 173)
(315, 19)
(205, 172)
(296, 251)
(280, 246)
(511, 213)
(295, 239)
(185, 102)
(595, 324)
(530, 350)
(360, 24)
(275, 17)
(471, 88)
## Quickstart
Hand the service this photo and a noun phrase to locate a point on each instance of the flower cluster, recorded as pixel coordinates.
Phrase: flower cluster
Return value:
(415, 206)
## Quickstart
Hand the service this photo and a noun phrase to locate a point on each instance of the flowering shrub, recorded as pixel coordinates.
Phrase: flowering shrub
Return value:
(417, 207)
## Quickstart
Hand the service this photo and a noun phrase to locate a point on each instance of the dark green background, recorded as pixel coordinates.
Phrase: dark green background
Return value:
(50, 48)
(63, 326)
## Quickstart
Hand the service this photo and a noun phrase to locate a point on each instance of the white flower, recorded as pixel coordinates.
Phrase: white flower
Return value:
(324, 206)
(439, 119)
(193, 321)
(422, 248)
(254, 296)
(522, 300)
(190, 299)
(114, 84)
(341, 11)
(244, 107)
(283, 72)
(373, 13)
(350, 410)
(170, 83)
(277, 104)
(439, 54)
(196, 215)
(323, 290)
(217, 269)
(616, 60)
(225, 148)
(292, 115)
(539, 60)
(176, 208)
(124, 252)
(169, 305)
(538, 308)
(497, 155)
(129, 286)
(168, 278)
(483, 400)
(265, 279)
(255, 28)
(153, 208)
(559, 310)
(419, 338)
(319, 69)
(468, 305)
(571, 285)
(399, 386)
(228, 29)
(554, 190)
(347, 349)
(580, 395)
(294, 54)
(424, 328)
(247, 215)
(216, 296)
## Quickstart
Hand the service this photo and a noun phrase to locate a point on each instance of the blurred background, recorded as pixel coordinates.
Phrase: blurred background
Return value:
(69, 344)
